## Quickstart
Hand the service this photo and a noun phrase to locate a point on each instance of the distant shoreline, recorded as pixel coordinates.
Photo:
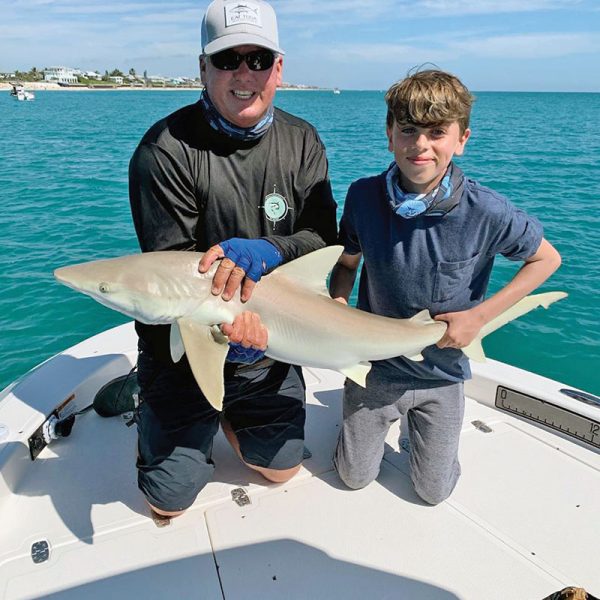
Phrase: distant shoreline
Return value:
(35, 86)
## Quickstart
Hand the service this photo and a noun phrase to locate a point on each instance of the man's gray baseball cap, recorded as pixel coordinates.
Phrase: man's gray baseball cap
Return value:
(230, 23)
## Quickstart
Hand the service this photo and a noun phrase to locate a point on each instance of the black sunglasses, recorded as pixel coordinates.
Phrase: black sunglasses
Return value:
(230, 60)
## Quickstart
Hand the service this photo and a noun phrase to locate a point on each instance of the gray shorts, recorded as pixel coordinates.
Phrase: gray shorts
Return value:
(434, 415)
(265, 407)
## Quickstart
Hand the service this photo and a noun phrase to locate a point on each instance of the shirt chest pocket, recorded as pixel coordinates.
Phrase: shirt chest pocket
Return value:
(453, 277)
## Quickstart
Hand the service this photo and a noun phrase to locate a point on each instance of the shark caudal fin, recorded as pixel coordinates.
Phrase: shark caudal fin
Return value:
(475, 351)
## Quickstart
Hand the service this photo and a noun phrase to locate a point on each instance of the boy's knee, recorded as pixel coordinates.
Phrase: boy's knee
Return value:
(433, 493)
(353, 479)
(431, 498)
(356, 483)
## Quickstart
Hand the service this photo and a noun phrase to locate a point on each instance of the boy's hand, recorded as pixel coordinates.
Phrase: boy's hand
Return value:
(463, 328)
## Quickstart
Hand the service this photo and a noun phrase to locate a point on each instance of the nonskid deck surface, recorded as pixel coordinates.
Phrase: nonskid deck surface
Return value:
(522, 522)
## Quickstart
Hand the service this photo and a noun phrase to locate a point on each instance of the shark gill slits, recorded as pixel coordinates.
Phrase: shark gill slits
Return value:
(104, 287)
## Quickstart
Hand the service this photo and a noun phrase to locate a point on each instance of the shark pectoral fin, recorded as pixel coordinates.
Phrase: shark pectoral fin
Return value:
(176, 343)
(416, 357)
(207, 359)
(218, 335)
(358, 373)
(475, 350)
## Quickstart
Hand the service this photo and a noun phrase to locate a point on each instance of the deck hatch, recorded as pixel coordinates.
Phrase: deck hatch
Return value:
(481, 426)
(240, 497)
(40, 551)
(546, 413)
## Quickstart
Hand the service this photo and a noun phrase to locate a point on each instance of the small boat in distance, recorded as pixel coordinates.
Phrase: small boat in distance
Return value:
(19, 92)
(337, 91)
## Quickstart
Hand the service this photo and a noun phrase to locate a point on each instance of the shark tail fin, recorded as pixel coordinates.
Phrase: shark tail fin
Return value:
(520, 308)
(475, 350)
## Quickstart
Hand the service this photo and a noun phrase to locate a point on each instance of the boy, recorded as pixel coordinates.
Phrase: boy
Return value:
(428, 237)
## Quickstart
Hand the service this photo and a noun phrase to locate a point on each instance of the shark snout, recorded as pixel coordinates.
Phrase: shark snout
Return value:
(71, 276)
(62, 274)
(80, 277)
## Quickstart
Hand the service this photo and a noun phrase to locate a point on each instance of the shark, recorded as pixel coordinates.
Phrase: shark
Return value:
(305, 325)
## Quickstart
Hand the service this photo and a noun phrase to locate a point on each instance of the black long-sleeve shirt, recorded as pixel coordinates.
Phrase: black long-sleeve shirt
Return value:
(191, 187)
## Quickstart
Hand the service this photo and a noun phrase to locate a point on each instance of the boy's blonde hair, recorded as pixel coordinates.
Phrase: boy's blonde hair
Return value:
(429, 98)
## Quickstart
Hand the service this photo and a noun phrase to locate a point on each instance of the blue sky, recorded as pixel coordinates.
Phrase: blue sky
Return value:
(538, 45)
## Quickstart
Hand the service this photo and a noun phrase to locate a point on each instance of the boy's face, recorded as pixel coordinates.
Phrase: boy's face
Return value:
(424, 153)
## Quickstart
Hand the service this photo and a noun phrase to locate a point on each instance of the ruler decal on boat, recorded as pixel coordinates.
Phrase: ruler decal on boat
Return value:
(540, 411)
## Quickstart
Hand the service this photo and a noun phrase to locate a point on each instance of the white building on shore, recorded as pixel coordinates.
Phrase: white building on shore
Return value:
(92, 75)
(60, 75)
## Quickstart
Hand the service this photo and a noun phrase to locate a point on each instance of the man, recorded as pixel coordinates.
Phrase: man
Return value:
(248, 184)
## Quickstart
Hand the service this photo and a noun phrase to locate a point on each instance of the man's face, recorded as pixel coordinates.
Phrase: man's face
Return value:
(424, 153)
(241, 96)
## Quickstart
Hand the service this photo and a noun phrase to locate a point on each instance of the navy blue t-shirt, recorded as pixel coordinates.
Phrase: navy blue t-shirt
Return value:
(439, 263)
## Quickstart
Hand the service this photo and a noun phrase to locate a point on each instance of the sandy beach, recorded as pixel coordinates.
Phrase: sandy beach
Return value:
(34, 86)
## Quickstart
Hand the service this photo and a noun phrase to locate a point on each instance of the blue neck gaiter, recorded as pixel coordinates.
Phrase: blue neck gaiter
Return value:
(437, 202)
(219, 123)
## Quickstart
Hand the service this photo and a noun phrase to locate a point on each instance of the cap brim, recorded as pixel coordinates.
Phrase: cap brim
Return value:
(240, 39)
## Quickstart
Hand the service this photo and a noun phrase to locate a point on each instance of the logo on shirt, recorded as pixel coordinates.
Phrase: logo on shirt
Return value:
(237, 13)
(275, 206)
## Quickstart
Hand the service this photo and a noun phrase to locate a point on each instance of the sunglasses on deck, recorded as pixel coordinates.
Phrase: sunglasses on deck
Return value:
(230, 60)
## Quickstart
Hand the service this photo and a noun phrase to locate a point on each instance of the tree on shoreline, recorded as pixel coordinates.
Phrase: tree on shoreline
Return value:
(32, 75)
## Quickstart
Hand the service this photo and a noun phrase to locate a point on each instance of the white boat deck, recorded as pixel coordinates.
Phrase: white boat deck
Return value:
(522, 523)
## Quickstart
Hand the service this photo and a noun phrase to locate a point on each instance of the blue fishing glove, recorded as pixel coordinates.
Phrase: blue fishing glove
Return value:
(240, 354)
(256, 257)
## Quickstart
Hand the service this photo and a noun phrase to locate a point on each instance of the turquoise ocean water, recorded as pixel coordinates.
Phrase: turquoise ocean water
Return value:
(63, 182)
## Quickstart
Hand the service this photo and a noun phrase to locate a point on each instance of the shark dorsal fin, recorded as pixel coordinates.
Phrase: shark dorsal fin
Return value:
(311, 270)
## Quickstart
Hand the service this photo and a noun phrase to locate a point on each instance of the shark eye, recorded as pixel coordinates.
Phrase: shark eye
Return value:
(104, 288)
